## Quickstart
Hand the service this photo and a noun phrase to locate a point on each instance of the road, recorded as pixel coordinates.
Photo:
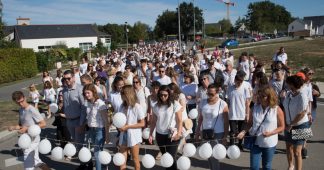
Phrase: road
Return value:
(9, 153)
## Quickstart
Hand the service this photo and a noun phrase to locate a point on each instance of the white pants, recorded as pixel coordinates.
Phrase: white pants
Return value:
(31, 156)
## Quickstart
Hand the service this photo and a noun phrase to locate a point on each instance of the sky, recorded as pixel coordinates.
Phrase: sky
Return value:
(131, 11)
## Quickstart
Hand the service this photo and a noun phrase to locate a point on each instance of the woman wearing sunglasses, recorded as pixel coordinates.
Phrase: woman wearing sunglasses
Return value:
(167, 119)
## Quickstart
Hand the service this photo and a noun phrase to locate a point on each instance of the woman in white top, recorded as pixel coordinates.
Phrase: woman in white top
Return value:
(131, 133)
(296, 113)
(167, 119)
(96, 119)
(265, 122)
(49, 95)
(115, 97)
(47, 77)
(152, 100)
(128, 75)
(214, 116)
(142, 93)
(101, 88)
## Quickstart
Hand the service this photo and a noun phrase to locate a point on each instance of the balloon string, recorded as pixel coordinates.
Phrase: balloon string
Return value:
(194, 142)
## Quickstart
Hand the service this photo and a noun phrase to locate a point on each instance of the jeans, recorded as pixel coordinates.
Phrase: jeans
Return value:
(163, 140)
(75, 136)
(96, 137)
(214, 163)
(267, 155)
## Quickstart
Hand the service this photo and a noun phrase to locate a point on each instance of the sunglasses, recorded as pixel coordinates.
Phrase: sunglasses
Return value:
(135, 82)
(164, 95)
(161, 71)
(310, 73)
(211, 94)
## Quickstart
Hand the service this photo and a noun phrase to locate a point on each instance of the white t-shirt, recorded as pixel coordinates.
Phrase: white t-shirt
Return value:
(294, 105)
(34, 95)
(142, 95)
(164, 115)
(237, 98)
(190, 90)
(269, 124)
(246, 68)
(133, 114)
(49, 95)
(212, 112)
(229, 77)
(83, 68)
(165, 80)
(29, 116)
(94, 117)
(115, 100)
(282, 57)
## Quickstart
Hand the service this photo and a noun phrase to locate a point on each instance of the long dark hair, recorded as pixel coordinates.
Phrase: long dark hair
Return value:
(176, 91)
(169, 100)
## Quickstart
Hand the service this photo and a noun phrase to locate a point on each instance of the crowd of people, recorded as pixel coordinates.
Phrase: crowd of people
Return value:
(156, 87)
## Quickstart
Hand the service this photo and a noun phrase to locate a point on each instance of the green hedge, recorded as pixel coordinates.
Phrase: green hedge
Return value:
(17, 64)
(45, 61)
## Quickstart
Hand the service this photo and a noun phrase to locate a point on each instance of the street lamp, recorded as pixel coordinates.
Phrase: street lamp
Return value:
(126, 33)
(194, 18)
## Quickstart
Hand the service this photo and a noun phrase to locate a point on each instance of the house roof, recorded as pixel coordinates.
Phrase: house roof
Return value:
(317, 20)
(54, 31)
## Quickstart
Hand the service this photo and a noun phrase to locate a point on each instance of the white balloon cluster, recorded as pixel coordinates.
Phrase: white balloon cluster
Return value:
(25, 140)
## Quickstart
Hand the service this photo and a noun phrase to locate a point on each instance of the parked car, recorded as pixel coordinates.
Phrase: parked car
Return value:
(249, 38)
(230, 43)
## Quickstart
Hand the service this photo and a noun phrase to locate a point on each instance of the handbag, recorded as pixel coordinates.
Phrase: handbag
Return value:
(299, 133)
(172, 131)
(208, 134)
(250, 139)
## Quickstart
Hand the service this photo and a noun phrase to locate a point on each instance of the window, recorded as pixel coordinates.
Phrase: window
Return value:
(44, 48)
(292, 27)
(108, 40)
(85, 46)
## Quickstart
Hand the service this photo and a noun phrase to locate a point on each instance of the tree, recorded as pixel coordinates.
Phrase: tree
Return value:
(226, 26)
(166, 24)
(116, 31)
(239, 22)
(265, 16)
(140, 31)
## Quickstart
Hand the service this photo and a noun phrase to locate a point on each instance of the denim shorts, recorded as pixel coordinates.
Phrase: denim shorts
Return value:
(124, 142)
(288, 136)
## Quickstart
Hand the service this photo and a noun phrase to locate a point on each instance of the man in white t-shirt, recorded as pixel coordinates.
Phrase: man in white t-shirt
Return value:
(84, 65)
(162, 78)
(239, 100)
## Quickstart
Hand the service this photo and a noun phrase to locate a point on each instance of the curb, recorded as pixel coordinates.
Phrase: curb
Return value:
(6, 135)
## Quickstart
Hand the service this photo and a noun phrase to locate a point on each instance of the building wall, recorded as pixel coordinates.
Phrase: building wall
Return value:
(70, 42)
(321, 30)
(295, 26)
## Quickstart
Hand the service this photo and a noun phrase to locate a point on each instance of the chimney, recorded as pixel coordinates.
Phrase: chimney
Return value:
(23, 21)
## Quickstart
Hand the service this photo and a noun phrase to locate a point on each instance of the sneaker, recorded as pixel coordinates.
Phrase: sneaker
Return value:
(304, 153)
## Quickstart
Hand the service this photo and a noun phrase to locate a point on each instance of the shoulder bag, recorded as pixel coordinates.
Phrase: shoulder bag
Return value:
(208, 134)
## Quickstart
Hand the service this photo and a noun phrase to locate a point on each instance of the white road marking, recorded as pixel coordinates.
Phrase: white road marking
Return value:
(14, 161)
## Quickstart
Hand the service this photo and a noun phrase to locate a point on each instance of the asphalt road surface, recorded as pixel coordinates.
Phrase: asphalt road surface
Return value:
(10, 154)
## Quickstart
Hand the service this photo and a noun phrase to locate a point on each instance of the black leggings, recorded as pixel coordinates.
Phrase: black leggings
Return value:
(163, 140)
(236, 127)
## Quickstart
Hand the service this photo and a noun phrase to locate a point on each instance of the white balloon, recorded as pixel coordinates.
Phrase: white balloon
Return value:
(57, 153)
(44, 146)
(119, 120)
(34, 130)
(189, 150)
(166, 160)
(119, 159)
(24, 141)
(148, 161)
(146, 133)
(197, 152)
(205, 151)
(219, 151)
(53, 107)
(104, 157)
(84, 154)
(69, 150)
(233, 152)
(193, 114)
(183, 163)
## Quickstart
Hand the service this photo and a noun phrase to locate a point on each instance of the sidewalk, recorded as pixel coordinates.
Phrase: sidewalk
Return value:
(321, 88)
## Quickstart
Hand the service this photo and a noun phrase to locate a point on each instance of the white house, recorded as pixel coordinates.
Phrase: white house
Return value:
(309, 26)
(43, 37)
(321, 30)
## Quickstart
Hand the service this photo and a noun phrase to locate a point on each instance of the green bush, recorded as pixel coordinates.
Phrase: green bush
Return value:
(17, 64)
(45, 60)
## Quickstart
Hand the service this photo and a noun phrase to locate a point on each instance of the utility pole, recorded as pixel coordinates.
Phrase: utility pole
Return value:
(126, 33)
(194, 23)
(179, 30)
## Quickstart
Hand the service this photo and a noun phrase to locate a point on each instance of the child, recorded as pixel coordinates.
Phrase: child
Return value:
(34, 95)
(49, 95)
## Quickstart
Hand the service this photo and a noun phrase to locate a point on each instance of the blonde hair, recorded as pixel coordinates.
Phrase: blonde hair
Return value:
(32, 87)
(271, 95)
(129, 96)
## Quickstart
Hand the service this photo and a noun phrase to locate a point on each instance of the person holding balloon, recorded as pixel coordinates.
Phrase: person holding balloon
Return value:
(213, 121)
(28, 116)
(96, 119)
(265, 122)
(167, 119)
(131, 133)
